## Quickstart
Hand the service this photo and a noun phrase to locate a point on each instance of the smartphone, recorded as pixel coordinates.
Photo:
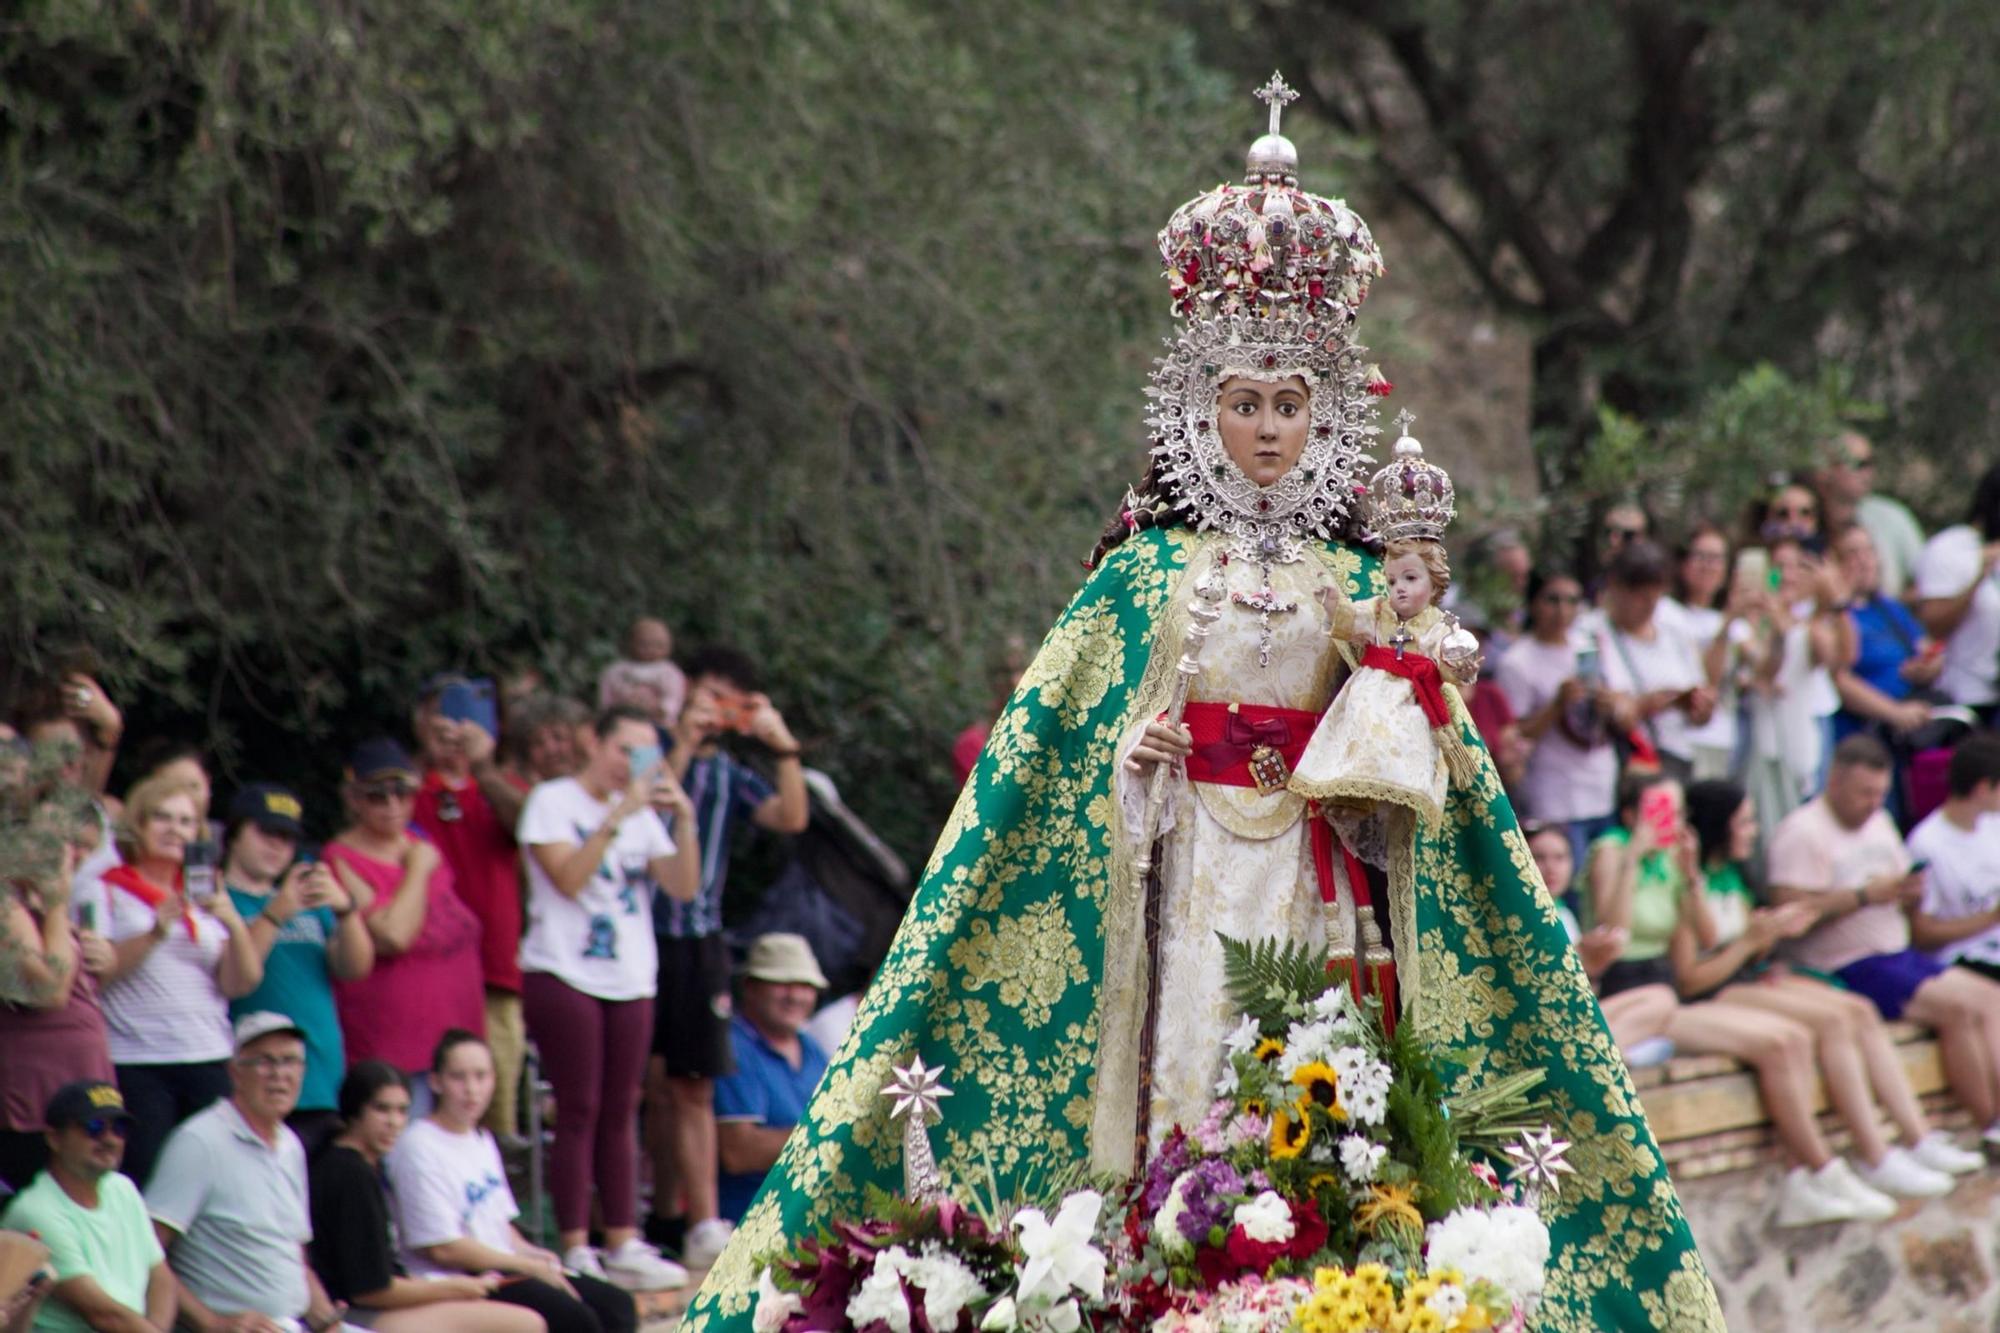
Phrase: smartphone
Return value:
(733, 711)
(86, 916)
(198, 870)
(308, 854)
(1656, 808)
(472, 701)
(1588, 667)
(645, 757)
(1919, 867)
(1753, 567)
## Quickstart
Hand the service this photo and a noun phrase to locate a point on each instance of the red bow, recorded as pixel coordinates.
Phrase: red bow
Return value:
(1240, 736)
(1426, 681)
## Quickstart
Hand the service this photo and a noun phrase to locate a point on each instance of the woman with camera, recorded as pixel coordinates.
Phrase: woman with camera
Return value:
(180, 953)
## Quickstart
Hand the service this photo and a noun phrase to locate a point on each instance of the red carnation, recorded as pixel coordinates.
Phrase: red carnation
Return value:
(1256, 1255)
(1308, 1230)
(1381, 388)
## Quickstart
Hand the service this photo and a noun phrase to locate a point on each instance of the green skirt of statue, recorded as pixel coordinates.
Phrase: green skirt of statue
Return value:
(996, 977)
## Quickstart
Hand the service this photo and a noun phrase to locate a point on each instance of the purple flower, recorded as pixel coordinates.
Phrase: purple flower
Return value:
(1205, 1196)
(1165, 1169)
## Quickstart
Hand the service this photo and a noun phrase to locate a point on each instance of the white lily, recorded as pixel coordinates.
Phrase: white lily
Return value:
(1059, 1256)
(1000, 1318)
(774, 1305)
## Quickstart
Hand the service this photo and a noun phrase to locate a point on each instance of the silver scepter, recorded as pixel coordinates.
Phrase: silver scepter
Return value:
(1207, 609)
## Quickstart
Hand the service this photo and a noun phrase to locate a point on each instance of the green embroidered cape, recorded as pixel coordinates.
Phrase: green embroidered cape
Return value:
(994, 976)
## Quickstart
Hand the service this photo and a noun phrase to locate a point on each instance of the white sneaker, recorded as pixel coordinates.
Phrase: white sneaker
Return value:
(705, 1241)
(1991, 1134)
(637, 1266)
(582, 1260)
(1804, 1200)
(1936, 1151)
(1870, 1204)
(1900, 1173)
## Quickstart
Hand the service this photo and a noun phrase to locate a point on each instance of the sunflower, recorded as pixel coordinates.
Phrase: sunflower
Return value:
(1255, 1106)
(1288, 1136)
(1388, 1205)
(1319, 1086)
(1322, 1179)
(1269, 1049)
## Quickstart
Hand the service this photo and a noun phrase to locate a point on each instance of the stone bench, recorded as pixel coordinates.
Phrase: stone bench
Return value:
(1708, 1115)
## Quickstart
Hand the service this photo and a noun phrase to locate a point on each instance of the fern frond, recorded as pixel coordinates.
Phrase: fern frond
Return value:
(1272, 979)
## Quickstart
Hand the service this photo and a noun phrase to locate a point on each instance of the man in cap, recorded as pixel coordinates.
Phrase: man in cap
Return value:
(304, 925)
(228, 1197)
(110, 1271)
(777, 1064)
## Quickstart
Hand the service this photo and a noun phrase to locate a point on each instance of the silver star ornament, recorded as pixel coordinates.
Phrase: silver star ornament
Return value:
(913, 1096)
(1539, 1163)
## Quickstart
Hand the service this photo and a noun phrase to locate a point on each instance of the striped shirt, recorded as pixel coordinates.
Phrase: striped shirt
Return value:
(725, 794)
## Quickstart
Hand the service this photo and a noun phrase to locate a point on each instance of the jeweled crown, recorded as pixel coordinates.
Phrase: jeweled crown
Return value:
(1266, 247)
(1411, 497)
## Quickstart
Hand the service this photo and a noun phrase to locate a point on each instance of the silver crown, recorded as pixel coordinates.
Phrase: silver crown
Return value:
(1411, 497)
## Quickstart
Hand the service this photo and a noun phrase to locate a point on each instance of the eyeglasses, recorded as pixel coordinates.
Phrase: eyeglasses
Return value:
(99, 1125)
(1619, 534)
(385, 792)
(275, 1064)
(1794, 511)
(1562, 598)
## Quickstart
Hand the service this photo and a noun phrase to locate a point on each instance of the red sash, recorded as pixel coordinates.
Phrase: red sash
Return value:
(1225, 736)
(149, 893)
(1426, 681)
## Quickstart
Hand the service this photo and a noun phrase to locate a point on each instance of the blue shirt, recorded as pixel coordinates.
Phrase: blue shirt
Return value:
(764, 1090)
(724, 794)
(298, 984)
(1888, 634)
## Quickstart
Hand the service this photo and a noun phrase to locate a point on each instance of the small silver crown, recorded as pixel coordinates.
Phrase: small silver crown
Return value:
(1411, 497)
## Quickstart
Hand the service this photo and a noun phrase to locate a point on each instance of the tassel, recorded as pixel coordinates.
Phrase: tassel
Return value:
(1459, 758)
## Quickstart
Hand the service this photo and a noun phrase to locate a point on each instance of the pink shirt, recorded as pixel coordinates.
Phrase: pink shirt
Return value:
(398, 1011)
(1812, 851)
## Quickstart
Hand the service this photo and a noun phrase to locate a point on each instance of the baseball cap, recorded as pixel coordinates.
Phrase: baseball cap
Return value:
(380, 758)
(85, 1099)
(783, 959)
(272, 808)
(263, 1023)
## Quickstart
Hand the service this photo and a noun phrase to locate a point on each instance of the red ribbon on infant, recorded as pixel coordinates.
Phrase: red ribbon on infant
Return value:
(1225, 735)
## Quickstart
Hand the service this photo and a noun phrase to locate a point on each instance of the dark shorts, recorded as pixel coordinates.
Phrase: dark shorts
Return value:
(691, 1015)
(1984, 969)
(1890, 979)
(1630, 974)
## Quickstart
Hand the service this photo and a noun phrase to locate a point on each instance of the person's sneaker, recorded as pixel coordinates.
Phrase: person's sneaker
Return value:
(1901, 1174)
(582, 1260)
(1870, 1204)
(1991, 1134)
(1805, 1200)
(705, 1242)
(1936, 1151)
(637, 1266)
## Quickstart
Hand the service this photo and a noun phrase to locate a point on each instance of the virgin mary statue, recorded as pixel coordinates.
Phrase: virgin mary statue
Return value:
(1023, 966)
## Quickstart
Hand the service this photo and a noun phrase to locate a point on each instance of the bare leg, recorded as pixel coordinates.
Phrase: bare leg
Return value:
(1779, 1050)
(694, 1145)
(659, 1123)
(1834, 1018)
(1960, 1006)
(1642, 1012)
(459, 1317)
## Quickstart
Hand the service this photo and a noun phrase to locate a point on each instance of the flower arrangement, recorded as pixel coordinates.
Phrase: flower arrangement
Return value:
(1330, 1188)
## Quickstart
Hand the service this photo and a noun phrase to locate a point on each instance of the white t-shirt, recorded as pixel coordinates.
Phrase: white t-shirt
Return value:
(601, 941)
(1963, 878)
(1950, 562)
(169, 1010)
(1699, 625)
(445, 1187)
(1670, 660)
(1899, 540)
(1564, 781)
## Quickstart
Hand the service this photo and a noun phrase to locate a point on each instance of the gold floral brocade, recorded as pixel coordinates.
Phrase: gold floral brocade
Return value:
(1013, 956)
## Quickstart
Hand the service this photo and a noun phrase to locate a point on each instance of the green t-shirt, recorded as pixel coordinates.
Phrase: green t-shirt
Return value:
(112, 1243)
(1656, 899)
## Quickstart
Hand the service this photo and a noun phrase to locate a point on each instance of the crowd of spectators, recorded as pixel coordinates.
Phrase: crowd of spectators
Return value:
(1760, 773)
(253, 1083)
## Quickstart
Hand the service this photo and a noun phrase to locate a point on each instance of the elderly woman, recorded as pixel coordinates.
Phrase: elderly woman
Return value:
(177, 962)
(427, 978)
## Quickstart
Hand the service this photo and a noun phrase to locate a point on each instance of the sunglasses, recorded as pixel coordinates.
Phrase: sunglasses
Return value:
(384, 792)
(99, 1125)
(1794, 511)
(275, 1064)
(1623, 534)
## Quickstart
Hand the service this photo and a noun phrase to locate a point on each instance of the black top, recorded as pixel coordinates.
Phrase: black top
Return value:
(351, 1247)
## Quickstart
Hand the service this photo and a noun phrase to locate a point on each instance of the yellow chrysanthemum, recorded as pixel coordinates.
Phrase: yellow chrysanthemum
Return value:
(1426, 1320)
(1288, 1135)
(1269, 1049)
(1388, 1204)
(1371, 1273)
(1472, 1319)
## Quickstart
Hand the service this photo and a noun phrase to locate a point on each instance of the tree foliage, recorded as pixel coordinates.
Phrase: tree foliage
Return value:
(341, 343)
(1670, 191)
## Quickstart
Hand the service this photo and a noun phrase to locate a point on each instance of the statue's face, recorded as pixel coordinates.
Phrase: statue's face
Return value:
(1263, 426)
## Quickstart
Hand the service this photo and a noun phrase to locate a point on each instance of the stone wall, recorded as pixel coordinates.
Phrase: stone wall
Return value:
(1935, 1266)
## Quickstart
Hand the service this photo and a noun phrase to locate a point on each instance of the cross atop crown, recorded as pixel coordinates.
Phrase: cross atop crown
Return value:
(1278, 95)
(1404, 420)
